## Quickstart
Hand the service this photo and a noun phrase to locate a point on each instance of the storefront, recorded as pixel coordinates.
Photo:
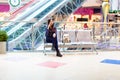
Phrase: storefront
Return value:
(84, 15)
(88, 13)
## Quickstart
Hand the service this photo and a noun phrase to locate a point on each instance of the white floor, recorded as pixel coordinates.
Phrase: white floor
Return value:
(78, 66)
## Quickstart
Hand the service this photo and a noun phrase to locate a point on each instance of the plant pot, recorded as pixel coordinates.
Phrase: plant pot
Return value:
(2, 47)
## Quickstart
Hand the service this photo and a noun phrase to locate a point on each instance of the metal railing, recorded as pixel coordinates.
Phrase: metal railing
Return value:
(106, 35)
(30, 35)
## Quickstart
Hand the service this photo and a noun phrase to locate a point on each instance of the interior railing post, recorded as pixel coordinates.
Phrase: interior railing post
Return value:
(33, 39)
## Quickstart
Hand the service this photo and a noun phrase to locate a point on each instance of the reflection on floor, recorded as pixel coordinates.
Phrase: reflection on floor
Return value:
(72, 66)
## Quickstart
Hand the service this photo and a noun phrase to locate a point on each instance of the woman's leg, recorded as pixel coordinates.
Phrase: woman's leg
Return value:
(55, 44)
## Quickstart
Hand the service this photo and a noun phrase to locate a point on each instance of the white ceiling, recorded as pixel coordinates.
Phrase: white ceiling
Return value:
(90, 3)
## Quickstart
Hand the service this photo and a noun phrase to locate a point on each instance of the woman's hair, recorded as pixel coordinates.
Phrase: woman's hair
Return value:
(51, 26)
(49, 21)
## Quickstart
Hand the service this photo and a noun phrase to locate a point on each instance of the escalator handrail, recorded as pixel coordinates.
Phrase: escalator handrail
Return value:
(28, 12)
(30, 29)
(30, 17)
(21, 9)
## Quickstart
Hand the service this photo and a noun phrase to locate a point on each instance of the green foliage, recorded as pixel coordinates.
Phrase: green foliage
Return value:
(110, 11)
(3, 36)
(114, 11)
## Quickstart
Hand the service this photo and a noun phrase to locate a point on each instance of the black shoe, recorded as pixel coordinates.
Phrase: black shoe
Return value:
(59, 55)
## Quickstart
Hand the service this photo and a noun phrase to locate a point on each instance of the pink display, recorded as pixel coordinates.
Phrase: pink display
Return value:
(4, 7)
(85, 11)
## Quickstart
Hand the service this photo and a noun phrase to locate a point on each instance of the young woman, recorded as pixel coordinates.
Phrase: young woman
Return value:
(51, 36)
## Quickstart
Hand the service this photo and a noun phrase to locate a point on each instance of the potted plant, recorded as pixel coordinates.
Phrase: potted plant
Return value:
(3, 40)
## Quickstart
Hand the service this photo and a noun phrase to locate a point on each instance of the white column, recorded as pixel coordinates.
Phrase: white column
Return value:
(115, 4)
(118, 4)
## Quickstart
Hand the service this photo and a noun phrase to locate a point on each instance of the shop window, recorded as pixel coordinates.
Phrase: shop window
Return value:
(97, 10)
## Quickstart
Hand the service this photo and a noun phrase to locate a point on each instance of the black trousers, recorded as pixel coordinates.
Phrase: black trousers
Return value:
(53, 41)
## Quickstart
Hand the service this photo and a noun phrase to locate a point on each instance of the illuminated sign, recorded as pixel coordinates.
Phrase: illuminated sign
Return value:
(14, 3)
(4, 7)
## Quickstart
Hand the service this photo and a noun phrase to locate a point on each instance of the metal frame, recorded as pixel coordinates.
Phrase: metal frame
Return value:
(31, 35)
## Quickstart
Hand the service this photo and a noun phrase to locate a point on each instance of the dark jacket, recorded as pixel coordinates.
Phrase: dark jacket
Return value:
(50, 32)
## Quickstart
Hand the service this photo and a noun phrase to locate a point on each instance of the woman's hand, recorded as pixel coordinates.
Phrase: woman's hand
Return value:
(54, 35)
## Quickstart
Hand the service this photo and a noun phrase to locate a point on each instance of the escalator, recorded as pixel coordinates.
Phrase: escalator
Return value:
(24, 15)
(23, 37)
